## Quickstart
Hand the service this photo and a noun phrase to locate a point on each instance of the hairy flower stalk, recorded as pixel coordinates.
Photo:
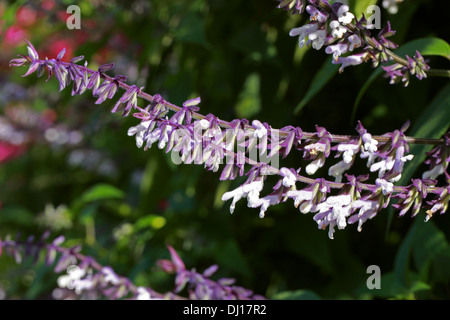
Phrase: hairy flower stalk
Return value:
(87, 279)
(351, 42)
(253, 149)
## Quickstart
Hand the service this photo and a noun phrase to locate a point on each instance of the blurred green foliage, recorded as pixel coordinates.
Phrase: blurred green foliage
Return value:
(125, 206)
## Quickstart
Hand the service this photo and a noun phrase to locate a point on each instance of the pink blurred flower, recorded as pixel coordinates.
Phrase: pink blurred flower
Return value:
(9, 151)
(14, 36)
(48, 5)
(25, 16)
(54, 46)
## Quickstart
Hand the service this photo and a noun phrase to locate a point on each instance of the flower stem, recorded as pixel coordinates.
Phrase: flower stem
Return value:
(438, 73)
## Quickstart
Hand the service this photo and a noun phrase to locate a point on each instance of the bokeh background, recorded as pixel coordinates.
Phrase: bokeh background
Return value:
(67, 165)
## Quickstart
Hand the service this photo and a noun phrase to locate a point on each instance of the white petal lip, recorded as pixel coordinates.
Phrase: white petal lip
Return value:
(315, 165)
(302, 32)
(345, 17)
(289, 178)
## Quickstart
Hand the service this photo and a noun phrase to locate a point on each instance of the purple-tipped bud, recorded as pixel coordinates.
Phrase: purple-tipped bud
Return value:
(32, 53)
(106, 67)
(18, 62)
(61, 54)
(77, 59)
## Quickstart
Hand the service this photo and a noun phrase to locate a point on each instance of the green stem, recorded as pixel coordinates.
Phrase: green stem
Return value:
(438, 73)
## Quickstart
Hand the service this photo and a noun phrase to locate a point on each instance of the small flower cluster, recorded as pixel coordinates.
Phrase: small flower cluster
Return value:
(399, 72)
(199, 286)
(193, 138)
(336, 28)
(85, 278)
(98, 281)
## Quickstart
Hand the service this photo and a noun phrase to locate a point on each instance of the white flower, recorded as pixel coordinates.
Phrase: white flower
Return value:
(315, 165)
(152, 138)
(435, 172)
(399, 162)
(250, 190)
(391, 6)
(139, 131)
(386, 186)
(165, 138)
(289, 178)
(204, 124)
(143, 294)
(344, 16)
(214, 162)
(265, 203)
(367, 210)
(395, 164)
(355, 42)
(432, 211)
(74, 274)
(337, 30)
(382, 166)
(260, 130)
(337, 50)
(334, 212)
(303, 198)
(317, 39)
(110, 276)
(338, 169)
(349, 150)
(83, 284)
(302, 32)
(370, 145)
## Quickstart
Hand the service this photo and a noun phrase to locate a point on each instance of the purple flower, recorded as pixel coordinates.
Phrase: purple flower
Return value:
(297, 6)
(316, 14)
(352, 60)
(303, 32)
(438, 159)
(413, 196)
(129, 98)
(337, 50)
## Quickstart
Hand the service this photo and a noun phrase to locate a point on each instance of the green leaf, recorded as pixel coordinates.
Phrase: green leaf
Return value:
(150, 221)
(439, 269)
(429, 241)
(191, 30)
(363, 90)
(401, 263)
(419, 286)
(427, 47)
(296, 295)
(358, 7)
(321, 78)
(230, 257)
(16, 215)
(249, 102)
(101, 192)
(88, 213)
